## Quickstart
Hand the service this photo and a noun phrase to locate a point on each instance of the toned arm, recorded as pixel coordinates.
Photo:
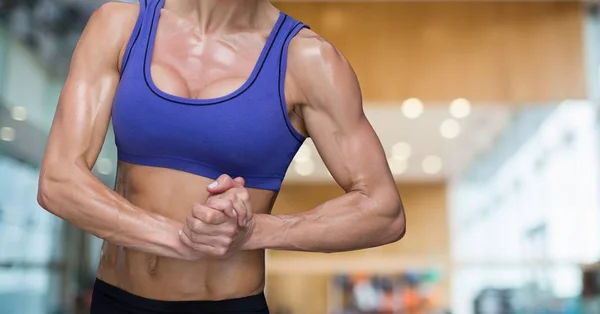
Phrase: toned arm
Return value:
(370, 213)
(67, 187)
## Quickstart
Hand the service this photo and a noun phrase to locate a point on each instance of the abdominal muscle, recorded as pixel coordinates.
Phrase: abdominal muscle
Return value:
(172, 194)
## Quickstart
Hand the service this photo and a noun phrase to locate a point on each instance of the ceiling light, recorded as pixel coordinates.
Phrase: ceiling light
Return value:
(401, 151)
(460, 108)
(450, 128)
(432, 164)
(19, 113)
(303, 154)
(397, 166)
(412, 108)
(104, 166)
(7, 134)
(305, 168)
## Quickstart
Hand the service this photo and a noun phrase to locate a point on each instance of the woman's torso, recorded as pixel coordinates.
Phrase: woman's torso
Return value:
(172, 193)
(187, 65)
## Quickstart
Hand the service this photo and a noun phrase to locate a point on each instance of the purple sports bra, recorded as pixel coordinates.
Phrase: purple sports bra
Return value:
(246, 133)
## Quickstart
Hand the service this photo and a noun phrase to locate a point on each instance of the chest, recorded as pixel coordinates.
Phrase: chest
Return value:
(188, 64)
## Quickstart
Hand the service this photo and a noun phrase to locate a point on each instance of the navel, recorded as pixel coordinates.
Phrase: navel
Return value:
(152, 264)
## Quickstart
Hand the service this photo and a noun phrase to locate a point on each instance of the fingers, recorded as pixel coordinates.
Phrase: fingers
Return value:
(197, 226)
(235, 203)
(243, 206)
(212, 215)
(224, 183)
(240, 181)
(240, 208)
(216, 242)
(200, 247)
(219, 251)
(212, 235)
(222, 204)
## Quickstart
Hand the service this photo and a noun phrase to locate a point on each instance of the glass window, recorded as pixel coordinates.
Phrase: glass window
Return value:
(29, 238)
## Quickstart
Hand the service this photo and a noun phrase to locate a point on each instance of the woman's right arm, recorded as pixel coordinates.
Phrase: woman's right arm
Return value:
(67, 187)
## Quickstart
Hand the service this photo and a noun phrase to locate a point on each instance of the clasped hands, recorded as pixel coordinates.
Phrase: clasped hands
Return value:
(219, 227)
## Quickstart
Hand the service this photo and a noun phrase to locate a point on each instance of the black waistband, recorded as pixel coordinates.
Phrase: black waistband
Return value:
(124, 299)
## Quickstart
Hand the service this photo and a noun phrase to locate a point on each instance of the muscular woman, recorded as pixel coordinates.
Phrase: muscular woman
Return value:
(210, 101)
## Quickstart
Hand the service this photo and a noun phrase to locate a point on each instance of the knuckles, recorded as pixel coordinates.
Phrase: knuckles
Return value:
(221, 251)
(196, 225)
(198, 210)
(211, 201)
(231, 231)
(211, 216)
(243, 194)
(197, 207)
(219, 202)
(227, 242)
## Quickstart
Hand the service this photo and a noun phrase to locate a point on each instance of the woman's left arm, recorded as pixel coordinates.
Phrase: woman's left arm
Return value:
(370, 213)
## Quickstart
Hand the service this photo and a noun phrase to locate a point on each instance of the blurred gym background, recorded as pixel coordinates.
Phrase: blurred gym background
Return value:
(488, 111)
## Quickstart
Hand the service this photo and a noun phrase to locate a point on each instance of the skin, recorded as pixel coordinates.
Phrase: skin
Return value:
(171, 235)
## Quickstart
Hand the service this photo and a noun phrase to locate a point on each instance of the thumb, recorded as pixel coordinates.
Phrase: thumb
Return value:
(222, 184)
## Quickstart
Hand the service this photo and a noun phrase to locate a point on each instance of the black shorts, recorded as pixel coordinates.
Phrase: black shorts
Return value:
(108, 299)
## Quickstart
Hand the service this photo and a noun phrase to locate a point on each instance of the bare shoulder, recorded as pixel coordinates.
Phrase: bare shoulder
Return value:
(310, 49)
(317, 67)
(115, 15)
(112, 22)
(108, 30)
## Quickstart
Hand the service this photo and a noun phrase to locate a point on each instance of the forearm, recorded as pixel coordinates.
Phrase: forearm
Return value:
(81, 199)
(350, 222)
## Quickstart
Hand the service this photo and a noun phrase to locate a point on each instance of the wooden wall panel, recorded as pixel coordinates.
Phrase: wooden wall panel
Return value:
(427, 222)
(294, 277)
(297, 293)
(489, 51)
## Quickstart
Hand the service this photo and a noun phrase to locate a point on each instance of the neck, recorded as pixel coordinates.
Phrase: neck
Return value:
(218, 15)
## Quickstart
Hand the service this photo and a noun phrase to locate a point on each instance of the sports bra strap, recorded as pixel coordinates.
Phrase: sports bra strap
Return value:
(273, 74)
(288, 30)
(135, 34)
